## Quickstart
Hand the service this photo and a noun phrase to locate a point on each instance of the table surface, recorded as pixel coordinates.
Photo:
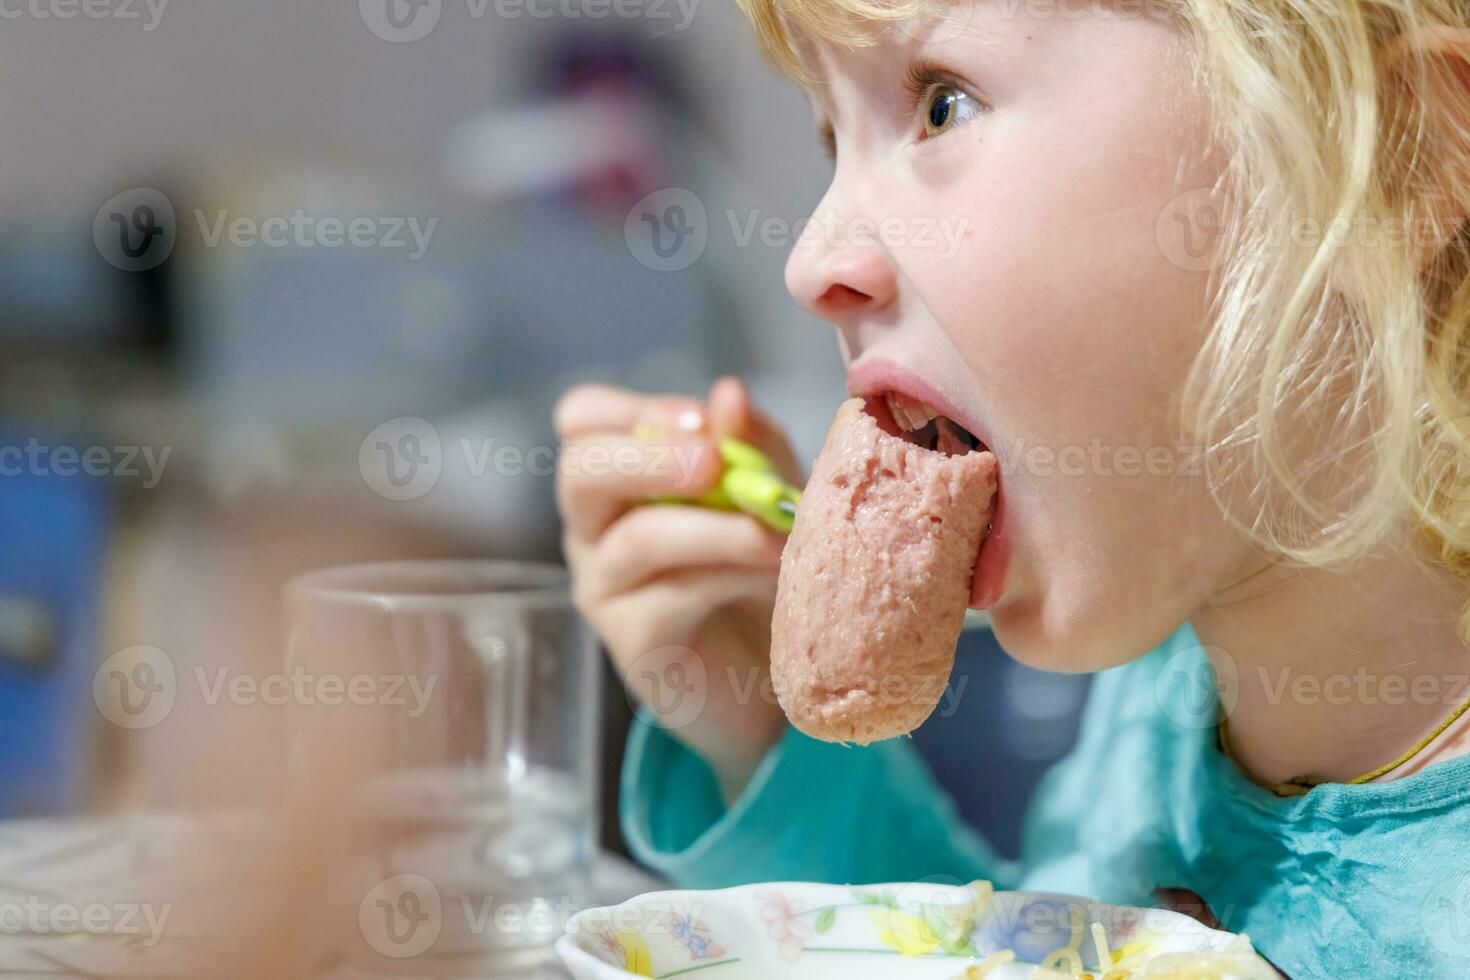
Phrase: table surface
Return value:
(142, 895)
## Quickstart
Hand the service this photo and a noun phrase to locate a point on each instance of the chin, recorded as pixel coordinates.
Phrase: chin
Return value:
(1064, 639)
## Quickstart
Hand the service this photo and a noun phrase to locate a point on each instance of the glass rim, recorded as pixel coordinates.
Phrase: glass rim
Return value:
(520, 584)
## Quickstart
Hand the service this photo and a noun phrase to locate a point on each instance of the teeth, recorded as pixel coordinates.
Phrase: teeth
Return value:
(909, 414)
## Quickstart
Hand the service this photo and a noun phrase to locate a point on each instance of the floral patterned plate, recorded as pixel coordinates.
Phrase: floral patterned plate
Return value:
(914, 931)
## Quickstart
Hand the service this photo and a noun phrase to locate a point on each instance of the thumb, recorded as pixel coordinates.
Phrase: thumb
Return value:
(733, 413)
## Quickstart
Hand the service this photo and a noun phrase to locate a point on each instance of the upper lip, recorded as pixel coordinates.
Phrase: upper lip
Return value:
(876, 376)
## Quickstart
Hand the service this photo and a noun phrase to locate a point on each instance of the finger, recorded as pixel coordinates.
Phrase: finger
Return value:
(601, 476)
(589, 409)
(669, 609)
(650, 542)
(733, 413)
(581, 556)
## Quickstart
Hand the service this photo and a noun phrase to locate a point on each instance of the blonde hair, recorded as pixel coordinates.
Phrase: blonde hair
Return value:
(1342, 296)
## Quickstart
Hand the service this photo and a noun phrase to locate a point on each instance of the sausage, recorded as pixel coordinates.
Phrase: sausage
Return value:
(875, 580)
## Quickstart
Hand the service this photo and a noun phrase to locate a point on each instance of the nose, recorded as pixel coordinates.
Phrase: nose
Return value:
(839, 275)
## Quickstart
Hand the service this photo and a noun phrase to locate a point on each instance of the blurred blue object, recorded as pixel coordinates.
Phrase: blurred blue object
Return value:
(52, 547)
(511, 301)
(54, 291)
(998, 730)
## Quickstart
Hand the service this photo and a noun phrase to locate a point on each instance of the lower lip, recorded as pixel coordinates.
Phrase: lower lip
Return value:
(995, 557)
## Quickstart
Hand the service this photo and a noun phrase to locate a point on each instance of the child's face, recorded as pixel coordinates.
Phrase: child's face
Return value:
(1015, 269)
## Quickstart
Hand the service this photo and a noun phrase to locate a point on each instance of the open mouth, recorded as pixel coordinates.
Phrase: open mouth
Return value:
(927, 427)
(894, 399)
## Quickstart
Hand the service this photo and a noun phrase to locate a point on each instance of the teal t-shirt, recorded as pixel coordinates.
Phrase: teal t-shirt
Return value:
(1345, 881)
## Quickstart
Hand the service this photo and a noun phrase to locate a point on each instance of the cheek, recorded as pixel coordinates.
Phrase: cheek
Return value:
(1061, 298)
(1073, 323)
(1079, 330)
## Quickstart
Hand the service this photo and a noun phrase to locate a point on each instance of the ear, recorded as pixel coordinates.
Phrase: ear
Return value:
(1430, 68)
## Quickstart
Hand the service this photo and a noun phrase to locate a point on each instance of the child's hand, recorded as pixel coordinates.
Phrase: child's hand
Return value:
(682, 596)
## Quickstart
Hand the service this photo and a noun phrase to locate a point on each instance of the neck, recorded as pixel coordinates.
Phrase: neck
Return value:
(1338, 671)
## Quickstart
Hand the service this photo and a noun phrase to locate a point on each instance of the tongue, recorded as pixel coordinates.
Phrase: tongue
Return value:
(875, 581)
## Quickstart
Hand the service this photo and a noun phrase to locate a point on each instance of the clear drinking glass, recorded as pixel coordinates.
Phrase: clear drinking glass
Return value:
(444, 762)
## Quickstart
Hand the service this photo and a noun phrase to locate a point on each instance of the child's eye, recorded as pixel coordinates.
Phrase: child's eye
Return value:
(946, 107)
(941, 98)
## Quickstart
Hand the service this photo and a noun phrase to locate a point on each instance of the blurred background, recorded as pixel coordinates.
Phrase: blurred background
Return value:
(279, 281)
